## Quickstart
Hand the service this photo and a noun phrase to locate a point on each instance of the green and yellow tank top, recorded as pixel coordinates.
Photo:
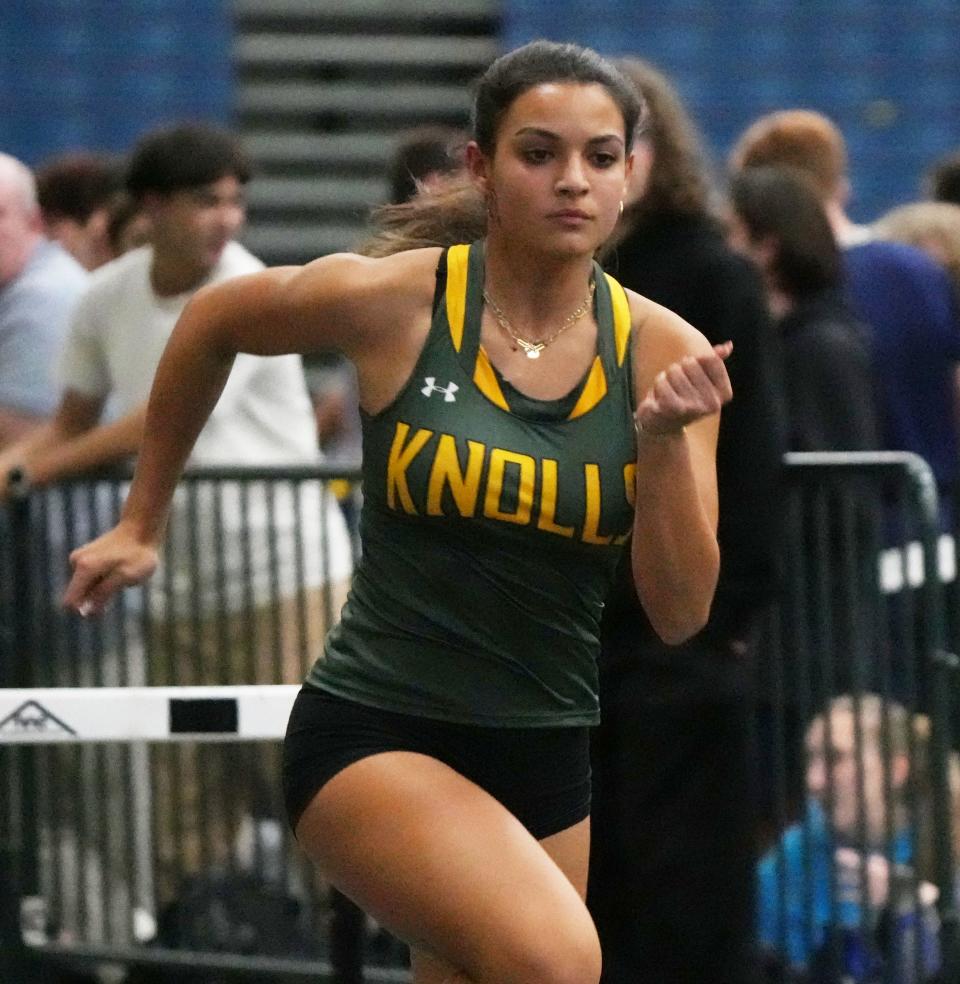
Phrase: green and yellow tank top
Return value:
(491, 528)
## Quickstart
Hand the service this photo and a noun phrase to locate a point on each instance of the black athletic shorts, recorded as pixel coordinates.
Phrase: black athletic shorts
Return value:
(541, 775)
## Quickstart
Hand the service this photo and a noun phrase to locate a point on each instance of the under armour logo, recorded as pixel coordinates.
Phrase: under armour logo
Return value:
(447, 391)
(32, 718)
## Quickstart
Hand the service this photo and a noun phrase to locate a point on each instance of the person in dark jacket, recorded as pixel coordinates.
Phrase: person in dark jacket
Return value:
(674, 820)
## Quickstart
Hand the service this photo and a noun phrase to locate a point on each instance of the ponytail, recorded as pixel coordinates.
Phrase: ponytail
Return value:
(451, 211)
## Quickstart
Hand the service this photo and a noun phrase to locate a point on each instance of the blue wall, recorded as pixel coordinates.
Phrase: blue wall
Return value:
(97, 73)
(887, 72)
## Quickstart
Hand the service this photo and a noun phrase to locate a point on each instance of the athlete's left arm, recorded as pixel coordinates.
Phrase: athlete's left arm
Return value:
(681, 383)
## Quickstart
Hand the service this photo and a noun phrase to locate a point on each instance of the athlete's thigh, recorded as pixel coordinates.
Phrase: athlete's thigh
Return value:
(446, 867)
(570, 851)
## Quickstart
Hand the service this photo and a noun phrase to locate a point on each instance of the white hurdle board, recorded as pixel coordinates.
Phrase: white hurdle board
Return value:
(120, 714)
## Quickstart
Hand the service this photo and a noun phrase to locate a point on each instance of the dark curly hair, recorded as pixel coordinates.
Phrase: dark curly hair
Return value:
(188, 155)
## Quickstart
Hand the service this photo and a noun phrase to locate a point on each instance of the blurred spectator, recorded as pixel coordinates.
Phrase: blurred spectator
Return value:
(233, 557)
(778, 221)
(39, 286)
(931, 226)
(905, 298)
(189, 180)
(843, 893)
(942, 181)
(128, 225)
(674, 815)
(423, 156)
(74, 192)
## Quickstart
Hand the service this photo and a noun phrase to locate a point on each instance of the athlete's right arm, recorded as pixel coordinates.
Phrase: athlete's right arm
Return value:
(352, 303)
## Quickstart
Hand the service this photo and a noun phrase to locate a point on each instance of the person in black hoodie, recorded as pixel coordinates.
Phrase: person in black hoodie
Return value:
(675, 815)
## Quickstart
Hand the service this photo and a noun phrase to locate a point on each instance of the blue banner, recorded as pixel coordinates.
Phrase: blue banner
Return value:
(96, 74)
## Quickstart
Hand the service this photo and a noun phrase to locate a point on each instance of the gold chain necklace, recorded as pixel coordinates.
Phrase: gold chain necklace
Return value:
(533, 349)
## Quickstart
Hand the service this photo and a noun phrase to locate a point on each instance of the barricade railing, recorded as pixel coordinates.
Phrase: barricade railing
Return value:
(949, 557)
(856, 696)
(101, 840)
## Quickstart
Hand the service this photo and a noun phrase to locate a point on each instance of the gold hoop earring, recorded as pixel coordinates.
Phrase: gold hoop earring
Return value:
(620, 214)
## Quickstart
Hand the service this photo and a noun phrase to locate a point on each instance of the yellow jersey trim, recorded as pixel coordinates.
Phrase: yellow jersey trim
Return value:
(485, 379)
(621, 318)
(594, 390)
(456, 294)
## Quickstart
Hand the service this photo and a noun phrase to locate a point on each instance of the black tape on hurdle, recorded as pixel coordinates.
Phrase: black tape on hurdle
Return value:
(204, 716)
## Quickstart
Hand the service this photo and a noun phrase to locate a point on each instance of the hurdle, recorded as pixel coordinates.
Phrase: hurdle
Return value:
(31, 716)
(111, 714)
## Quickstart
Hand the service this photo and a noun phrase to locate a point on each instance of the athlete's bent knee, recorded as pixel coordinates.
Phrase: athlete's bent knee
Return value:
(569, 959)
(565, 965)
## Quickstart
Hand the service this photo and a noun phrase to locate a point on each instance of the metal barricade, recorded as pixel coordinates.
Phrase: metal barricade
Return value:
(99, 842)
(856, 692)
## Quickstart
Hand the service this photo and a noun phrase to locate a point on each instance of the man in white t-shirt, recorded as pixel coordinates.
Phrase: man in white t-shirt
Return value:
(190, 180)
(252, 573)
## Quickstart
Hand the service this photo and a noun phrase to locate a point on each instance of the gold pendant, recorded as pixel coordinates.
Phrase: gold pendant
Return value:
(532, 349)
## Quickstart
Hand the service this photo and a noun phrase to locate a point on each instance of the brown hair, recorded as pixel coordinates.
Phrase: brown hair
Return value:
(74, 186)
(782, 204)
(451, 211)
(798, 138)
(678, 179)
(455, 211)
(541, 62)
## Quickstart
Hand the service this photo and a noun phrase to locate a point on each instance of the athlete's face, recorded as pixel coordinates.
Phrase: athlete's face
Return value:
(559, 170)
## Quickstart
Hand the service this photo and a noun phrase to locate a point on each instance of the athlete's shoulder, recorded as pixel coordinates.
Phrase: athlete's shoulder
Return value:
(377, 292)
(657, 327)
(358, 301)
(396, 270)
